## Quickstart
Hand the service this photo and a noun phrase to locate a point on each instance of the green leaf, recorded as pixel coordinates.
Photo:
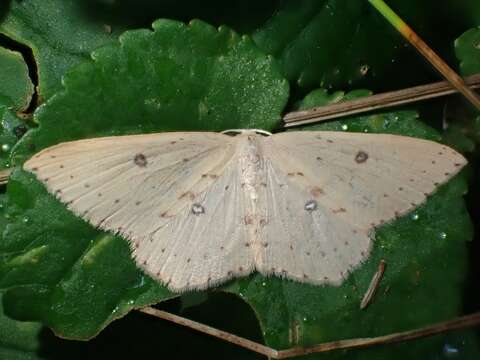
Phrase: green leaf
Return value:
(11, 130)
(59, 33)
(176, 77)
(463, 130)
(335, 43)
(16, 89)
(63, 33)
(425, 253)
(467, 48)
(18, 340)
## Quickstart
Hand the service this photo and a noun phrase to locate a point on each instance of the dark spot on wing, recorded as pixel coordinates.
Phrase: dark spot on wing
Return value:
(140, 160)
(361, 157)
(198, 209)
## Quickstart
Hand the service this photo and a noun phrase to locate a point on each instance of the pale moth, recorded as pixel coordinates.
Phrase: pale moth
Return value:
(199, 208)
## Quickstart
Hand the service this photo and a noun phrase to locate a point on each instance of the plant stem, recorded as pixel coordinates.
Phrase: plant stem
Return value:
(426, 51)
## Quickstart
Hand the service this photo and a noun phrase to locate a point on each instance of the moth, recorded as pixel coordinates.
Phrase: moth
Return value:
(200, 208)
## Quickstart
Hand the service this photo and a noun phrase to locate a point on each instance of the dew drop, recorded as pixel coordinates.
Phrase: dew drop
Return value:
(414, 216)
(5, 147)
(25, 220)
(305, 319)
(344, 127)
(264, 283)
(450, 351)
(443, 235)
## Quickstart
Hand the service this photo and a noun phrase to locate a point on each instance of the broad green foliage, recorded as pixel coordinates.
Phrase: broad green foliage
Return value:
(57, 269)
(59, 33)
(63, 33)
(18, 340)
(467, 48)
(463, 131)
(11, 129)
(16, 89)
(329, 42)
(317, 42)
